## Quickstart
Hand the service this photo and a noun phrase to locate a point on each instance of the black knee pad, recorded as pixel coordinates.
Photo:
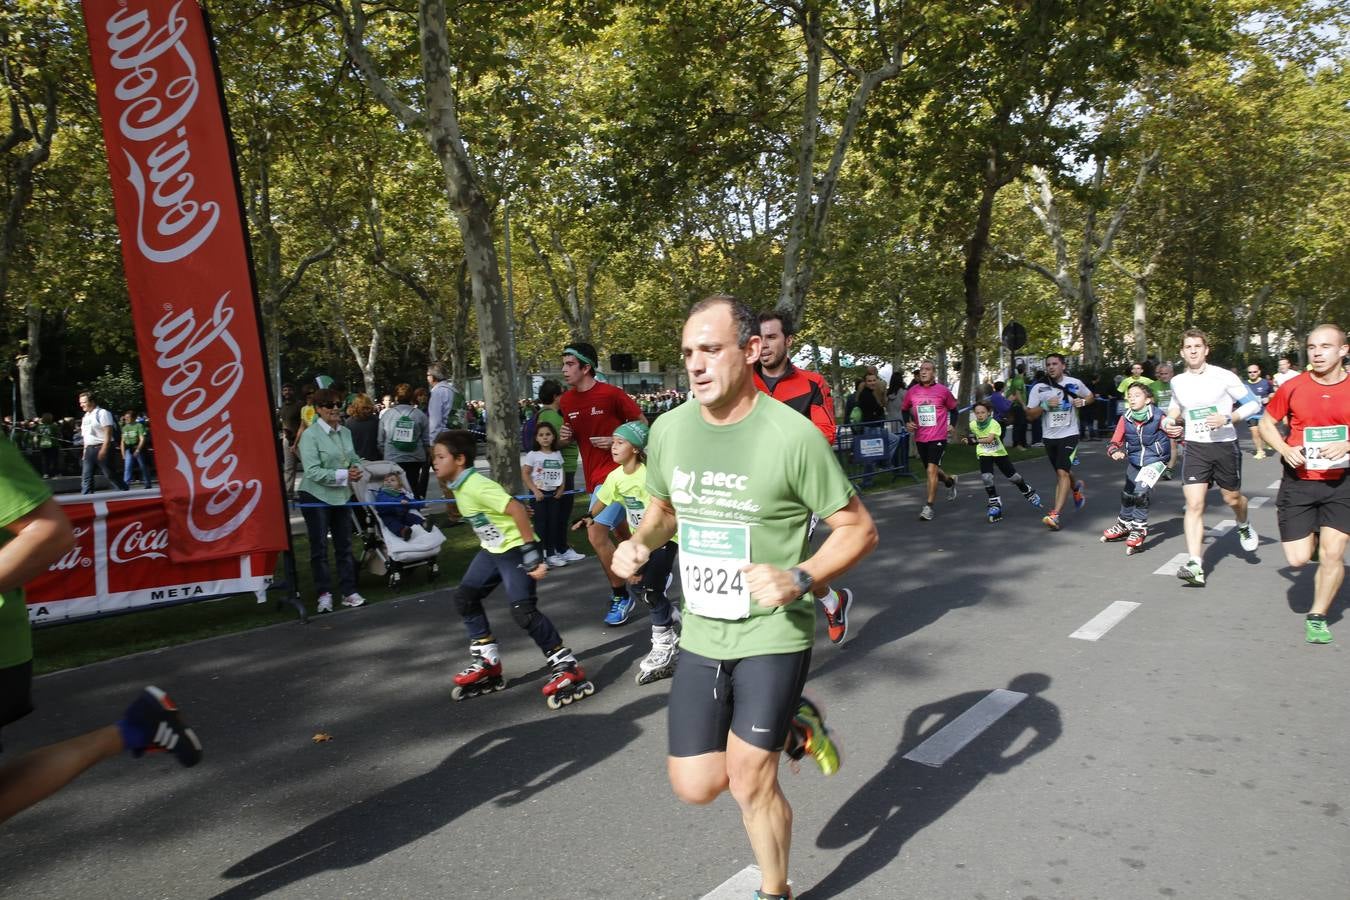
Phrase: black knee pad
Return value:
(1127, 498)
(1141, 500)
(524, 613)
(469, 599)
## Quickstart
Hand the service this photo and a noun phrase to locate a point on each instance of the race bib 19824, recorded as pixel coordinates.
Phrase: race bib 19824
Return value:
(712, 555)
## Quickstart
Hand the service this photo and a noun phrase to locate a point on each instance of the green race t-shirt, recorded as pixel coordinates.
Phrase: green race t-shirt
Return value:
(131, 434)
(989, 428)
(569, 453)
(743, 493)
(21, 492)
(482, 502)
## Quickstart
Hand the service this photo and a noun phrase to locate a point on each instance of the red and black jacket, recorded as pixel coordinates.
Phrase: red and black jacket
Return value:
(807, 393)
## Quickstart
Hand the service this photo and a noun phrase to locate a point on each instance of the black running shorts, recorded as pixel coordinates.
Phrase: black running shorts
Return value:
(16, 692)
(930, 452)
(754, 697)
(1218, 463)
(1305, 506)
(1060, 452)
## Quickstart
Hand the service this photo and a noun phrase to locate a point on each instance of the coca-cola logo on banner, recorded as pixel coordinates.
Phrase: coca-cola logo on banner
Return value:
(135, 541)
(200, 363)
(77, 558)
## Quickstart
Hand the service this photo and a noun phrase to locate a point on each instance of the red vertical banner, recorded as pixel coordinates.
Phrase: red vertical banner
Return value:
(188, 277)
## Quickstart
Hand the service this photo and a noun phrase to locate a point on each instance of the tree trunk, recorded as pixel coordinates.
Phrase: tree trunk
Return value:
(970, 280)
(1140, 319)
(28, 363)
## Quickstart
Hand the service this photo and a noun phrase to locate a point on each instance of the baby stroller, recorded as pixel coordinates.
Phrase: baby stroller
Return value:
(387, 553)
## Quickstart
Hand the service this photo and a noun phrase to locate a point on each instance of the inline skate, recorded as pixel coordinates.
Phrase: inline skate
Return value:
(1135, 542)
(660, 662)
(483, 675)
(994, 512)
(567, 681)
(1116, 531)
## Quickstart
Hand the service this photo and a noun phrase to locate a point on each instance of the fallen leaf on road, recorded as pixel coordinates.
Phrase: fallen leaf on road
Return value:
(321, 737)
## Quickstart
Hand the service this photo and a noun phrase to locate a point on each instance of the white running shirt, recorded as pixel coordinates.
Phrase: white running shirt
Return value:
(1196, 395)
(1061, 422)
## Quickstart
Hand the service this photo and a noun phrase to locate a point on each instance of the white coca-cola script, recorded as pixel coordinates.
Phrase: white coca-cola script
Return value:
(77, 556)
(199, 411)
(158, 92)
(135, 541)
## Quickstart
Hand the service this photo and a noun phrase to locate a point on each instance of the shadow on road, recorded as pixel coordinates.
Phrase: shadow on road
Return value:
(508, 766)
(1302, 583)
(905, 797)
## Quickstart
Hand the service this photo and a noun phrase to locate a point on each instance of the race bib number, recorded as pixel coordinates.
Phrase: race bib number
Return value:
(549, 476)
(1148, 476)
(1314, 439)
(1196, 427)
(711, 557)
(927, 415)
(1061, 418)
(989, 449)
(403, 433)
(488, 534)
(634, 509)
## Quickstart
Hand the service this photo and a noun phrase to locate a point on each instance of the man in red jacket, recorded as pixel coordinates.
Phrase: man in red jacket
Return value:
(809, 394)
(591, 410)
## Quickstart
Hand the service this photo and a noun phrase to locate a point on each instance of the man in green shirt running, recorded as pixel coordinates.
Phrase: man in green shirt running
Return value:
(737, 476)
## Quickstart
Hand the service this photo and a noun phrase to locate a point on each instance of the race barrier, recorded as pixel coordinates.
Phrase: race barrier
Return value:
(120, 562)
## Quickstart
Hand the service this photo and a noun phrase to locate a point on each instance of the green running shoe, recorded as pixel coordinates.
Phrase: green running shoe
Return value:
(809, 723)
(1191, 573)
(1318, 632)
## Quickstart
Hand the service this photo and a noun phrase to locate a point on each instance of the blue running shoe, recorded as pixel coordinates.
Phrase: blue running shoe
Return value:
(152, 724)
(619, 610)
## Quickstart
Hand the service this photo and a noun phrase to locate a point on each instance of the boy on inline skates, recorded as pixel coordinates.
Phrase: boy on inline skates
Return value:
(1140, 441)
(507, 557)
(628, 485)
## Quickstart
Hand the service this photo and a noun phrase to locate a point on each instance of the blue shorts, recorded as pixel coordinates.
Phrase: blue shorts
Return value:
(611, 515)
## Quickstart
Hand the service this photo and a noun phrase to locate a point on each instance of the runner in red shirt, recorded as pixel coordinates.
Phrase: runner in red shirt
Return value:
(591, 410)
(1314, 500)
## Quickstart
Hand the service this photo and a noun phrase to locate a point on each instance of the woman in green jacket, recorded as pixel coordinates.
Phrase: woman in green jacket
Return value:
(330, 467)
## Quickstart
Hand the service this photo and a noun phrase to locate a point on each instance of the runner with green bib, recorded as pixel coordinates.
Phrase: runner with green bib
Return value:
(737, 476)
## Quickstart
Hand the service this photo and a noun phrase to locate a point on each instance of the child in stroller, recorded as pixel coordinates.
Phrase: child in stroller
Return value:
(400, 519)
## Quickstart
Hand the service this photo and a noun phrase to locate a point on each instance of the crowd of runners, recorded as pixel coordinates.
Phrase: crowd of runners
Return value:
(726, 492)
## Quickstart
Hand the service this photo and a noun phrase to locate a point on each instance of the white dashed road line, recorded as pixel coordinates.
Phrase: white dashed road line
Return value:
(1273, 486)
(1257, 502)
(738, 886)
(1170, 567)
(1218, 531)
(1105, 620)
(965, 728)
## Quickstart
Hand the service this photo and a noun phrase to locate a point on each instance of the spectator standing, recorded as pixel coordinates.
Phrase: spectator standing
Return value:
(403, 439)
(49, 446)
(97, 432)
(1017, 396)
(331, 466)
(288, 427)
(364, 426)
(135, 447)
(550, 397)
(444, 402)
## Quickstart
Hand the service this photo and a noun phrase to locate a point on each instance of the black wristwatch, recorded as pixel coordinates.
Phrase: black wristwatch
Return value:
(801, 580)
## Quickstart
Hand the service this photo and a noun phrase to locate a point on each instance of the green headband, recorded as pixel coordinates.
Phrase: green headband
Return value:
(572, 351)
(633, 432)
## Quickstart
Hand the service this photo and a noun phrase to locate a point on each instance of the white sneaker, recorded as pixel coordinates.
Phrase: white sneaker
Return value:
(325, 603)
(556, 561)
(1247, 536)
(570, 555)
(951, 489)
(353, 600)
(926, 514)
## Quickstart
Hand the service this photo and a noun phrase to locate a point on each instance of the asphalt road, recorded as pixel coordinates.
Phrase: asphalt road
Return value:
(1189, 751)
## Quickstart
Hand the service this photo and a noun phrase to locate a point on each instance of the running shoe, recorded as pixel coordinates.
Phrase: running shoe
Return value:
(556, 561)
(836, 623)
(353, 600)
(1317, 630)
(1079, 498)
(809, 723)
(1051, 520)
(572, 556)
(1259, 454)
(760, 895)
(1247, 536)
(325, 603)
(1192, 573)
(620, 608)
(926, 514)
(951, 488)
(152, 724)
